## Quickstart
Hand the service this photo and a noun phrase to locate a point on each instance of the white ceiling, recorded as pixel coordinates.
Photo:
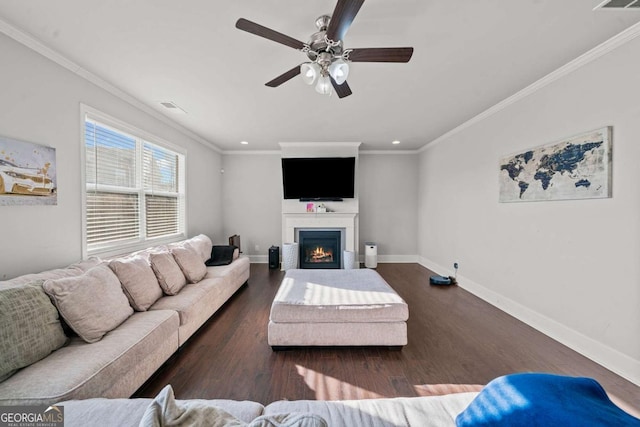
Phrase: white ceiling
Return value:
(469, 55)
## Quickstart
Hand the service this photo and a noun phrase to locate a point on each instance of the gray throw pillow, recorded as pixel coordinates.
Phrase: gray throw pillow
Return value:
(30, 329)
(190, 263)
(139, 282)
(168, 272)
(92, 304)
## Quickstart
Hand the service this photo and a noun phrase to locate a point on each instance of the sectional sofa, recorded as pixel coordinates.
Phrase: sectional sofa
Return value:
(516, 400)
(105, 326)
(384, 412)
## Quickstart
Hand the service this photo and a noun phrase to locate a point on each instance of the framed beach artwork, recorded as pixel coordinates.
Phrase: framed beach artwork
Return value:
(578, 167)
(27, 173)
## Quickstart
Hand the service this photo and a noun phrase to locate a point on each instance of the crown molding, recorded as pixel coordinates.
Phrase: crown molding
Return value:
(251, 152)
(389, 152)
(278, 152)
(602, 49)
(38, 46)
(318, 144)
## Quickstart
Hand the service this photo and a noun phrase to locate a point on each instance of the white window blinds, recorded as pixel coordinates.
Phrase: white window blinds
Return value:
(133, 189)
(160, 174)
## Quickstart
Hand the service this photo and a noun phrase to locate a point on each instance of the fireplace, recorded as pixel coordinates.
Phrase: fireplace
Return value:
(320, 248)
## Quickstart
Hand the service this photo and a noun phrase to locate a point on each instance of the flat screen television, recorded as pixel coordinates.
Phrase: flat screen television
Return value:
(318, 178)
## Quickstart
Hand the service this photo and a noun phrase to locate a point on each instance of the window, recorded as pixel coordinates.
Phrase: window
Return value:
(134, 189)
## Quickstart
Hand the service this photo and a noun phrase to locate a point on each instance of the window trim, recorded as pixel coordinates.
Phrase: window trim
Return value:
(87, 112)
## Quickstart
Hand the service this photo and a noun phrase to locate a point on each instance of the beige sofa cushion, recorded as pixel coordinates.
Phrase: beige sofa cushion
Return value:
(92, 304)
(116, 366)
(432, 411)
(139, 282)
(168, 272)
(45, 275)
(190, 263)
(236, 270)
(87, 264)
(30, 329)
(202, 244)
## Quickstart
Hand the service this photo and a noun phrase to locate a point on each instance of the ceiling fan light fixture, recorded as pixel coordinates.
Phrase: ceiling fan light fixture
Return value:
(339, 70)
(309, 72)
(328, 58)
(324, 86)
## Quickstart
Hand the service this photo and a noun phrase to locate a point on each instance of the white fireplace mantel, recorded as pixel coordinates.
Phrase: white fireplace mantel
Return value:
(309, 220)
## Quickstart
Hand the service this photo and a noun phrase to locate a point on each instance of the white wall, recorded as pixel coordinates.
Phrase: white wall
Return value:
(252, 200)
(569, 268)
(388, 189)
(41, 103)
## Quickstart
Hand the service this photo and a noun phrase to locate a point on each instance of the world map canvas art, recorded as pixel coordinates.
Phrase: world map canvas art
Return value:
(578, 167)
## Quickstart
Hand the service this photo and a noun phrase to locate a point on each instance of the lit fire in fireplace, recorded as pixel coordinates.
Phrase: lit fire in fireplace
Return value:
(320, 255)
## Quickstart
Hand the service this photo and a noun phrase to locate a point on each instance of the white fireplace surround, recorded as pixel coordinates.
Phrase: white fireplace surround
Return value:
(347, 222)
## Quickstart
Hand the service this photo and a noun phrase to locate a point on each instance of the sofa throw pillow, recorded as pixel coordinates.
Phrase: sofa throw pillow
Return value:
(165, 410)
(30, 328)
(202, 244)
(139, 283)
(168, 272)
(190, 263)
(221, 255)
(92, 304)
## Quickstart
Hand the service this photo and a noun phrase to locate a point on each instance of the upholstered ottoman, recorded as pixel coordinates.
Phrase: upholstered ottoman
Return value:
(337, 308)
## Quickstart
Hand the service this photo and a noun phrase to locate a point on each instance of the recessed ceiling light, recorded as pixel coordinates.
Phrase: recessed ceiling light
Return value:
(396, 142)
(244, 143)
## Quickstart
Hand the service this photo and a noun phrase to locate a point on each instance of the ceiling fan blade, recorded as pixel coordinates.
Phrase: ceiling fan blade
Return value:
(343, 15)
(381, 54)
(268, 33)
(284, 77)
(342, 90)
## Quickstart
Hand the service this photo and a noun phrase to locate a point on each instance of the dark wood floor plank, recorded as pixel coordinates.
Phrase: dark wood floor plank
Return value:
(454, 338)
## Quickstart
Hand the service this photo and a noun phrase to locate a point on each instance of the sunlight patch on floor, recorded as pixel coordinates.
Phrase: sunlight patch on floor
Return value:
(442, 389)
(327, 387)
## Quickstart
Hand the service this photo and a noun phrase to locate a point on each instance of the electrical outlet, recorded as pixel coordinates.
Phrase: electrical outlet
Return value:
(257, 248)
(455, 265)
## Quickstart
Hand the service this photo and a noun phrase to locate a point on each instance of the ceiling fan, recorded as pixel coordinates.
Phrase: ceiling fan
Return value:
(328, 64)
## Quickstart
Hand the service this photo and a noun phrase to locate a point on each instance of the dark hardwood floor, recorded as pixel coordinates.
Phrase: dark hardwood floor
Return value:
(454, 338)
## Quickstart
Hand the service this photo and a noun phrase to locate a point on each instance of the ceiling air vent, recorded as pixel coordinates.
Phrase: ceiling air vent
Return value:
(173, 107)
(619, 4)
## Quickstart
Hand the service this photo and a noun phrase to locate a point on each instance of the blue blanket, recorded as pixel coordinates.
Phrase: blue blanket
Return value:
(547, 400)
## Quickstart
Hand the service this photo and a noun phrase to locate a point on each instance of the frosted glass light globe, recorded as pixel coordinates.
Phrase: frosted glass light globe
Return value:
(310, 72)
(324, 85)
(339, 70)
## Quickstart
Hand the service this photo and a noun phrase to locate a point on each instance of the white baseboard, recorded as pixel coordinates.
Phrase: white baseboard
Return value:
(602, 354)
(264, 259)
(258, 259)
(394, 259)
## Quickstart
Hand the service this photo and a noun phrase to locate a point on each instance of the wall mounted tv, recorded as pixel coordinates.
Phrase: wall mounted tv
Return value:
(318, 178)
